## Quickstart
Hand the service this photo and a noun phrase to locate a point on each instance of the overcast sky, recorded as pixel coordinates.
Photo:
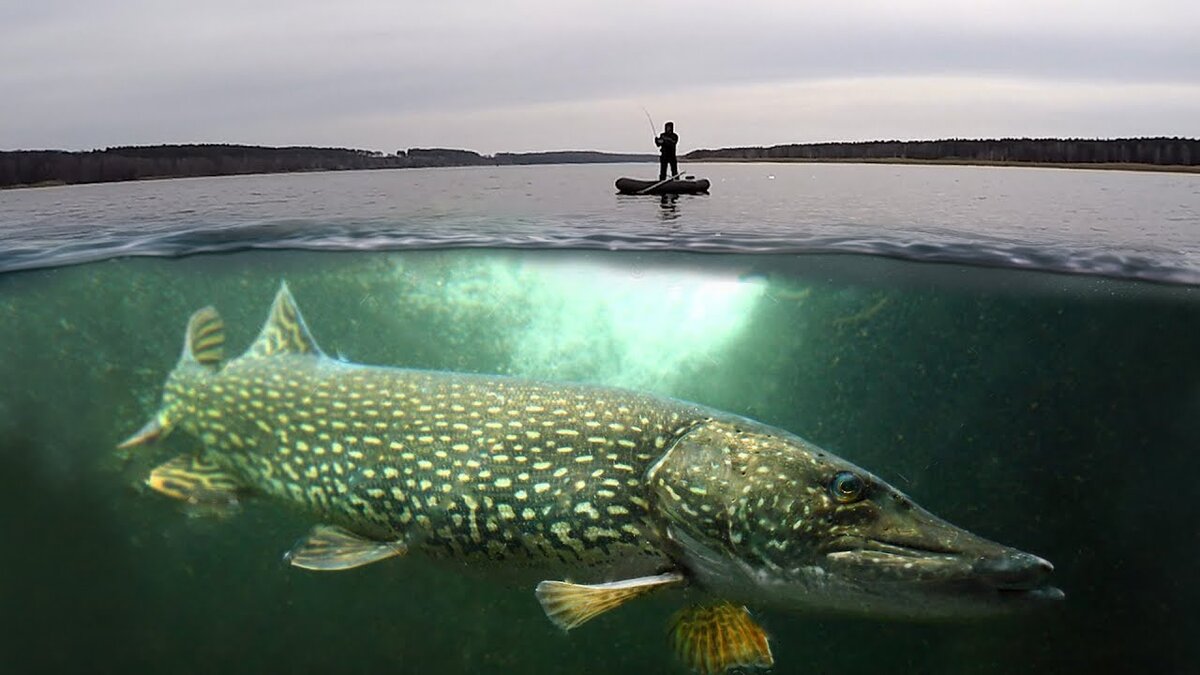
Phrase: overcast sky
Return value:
(498, 75)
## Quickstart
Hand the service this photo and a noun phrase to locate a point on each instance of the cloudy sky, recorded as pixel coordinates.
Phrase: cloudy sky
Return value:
(497, 75)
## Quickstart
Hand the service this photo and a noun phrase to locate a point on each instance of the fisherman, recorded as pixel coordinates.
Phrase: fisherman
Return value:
(666, 142)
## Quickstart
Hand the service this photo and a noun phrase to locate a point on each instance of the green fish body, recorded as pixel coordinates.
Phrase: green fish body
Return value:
(621, 491)
(483, 469)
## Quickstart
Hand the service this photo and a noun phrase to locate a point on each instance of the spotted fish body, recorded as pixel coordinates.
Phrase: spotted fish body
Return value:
(471, 467)
(623, 491)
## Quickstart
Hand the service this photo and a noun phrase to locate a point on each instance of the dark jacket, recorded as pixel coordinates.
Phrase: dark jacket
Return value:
(666, 141)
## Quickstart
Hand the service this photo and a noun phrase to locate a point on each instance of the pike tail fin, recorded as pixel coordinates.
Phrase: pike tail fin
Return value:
(205, 341)
(198, 482)
(203, 350)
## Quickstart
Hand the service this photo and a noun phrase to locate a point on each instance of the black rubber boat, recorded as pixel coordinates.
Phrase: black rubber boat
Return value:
(677, 186)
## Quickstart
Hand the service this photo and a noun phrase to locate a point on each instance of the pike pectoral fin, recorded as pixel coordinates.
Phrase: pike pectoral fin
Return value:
(196, 481)
(329, 548)
(711, 639)
(569, 605)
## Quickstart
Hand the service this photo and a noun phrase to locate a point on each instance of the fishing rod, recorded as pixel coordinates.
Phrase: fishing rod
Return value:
(653, 129)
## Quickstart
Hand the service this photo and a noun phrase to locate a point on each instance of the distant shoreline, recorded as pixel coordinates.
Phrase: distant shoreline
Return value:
(901, 161)
(44, 168)
(1095, 166)
(1161, 153)
(47, 168)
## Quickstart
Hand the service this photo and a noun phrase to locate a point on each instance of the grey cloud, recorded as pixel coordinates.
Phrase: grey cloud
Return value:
(94, 74)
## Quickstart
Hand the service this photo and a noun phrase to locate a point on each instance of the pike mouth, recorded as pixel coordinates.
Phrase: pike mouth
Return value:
(909, 549)
(1004, 572)
(846, 547)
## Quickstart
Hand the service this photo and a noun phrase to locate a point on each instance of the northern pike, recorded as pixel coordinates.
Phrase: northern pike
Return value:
(598, 494)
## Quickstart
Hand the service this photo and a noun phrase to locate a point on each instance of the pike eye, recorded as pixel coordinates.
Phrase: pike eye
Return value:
(846, 487)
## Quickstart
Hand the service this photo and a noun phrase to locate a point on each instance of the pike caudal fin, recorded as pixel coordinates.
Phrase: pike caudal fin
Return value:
(197, 482)
(203, 350)
(151, 431)
(285, 331)
(205, 340)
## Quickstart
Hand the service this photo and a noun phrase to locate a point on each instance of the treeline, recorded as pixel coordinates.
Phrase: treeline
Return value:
(570, 157)
(1156, 151)
(34, 167)
(42, 167)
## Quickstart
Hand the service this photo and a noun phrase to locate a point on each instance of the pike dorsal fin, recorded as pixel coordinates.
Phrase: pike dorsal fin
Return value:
(285, 331)
(205, 340)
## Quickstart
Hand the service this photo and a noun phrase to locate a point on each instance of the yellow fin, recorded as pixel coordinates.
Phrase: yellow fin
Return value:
(711, 639)
(205, 341)
(570, 605)
(195, 481)
(285, 331)
(329, 548)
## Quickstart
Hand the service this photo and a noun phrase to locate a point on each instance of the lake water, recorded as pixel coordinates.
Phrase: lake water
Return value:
(1057, 413)
(1124, 224)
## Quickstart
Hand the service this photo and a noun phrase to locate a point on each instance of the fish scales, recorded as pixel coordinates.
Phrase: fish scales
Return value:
(470, 466)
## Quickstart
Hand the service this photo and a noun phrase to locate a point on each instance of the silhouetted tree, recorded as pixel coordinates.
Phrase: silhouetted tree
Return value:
(1156, 151)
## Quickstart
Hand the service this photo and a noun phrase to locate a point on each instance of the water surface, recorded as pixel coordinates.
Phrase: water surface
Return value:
(1117, 223)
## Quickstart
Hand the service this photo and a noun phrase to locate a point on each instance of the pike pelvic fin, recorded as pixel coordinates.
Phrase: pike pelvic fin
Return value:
(712, 639)
(205, 340)
(285, 331)
(198, 482)
(571, 605)
(330, 548)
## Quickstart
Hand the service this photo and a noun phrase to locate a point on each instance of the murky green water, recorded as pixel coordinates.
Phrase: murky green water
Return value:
(1057, 414)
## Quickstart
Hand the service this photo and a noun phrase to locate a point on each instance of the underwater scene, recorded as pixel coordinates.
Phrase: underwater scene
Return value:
(596, 461)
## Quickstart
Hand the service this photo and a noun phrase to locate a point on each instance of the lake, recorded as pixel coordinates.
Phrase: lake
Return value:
(1120, 223)
(1014, 349)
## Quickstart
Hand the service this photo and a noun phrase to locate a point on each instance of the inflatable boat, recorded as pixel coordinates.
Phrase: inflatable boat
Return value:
(686, 185)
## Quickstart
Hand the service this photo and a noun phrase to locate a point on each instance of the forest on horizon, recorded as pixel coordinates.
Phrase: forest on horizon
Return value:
(1157, 151)
(60, 167)
(125, 163)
